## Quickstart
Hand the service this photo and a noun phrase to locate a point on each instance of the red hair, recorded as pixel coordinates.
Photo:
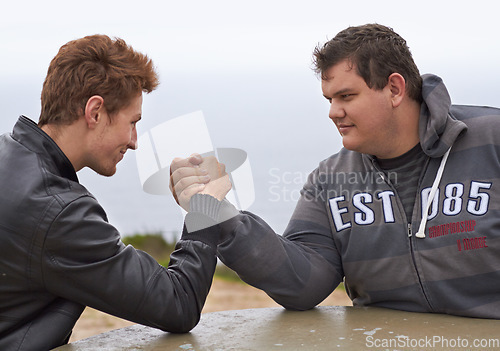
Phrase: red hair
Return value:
(94, 65)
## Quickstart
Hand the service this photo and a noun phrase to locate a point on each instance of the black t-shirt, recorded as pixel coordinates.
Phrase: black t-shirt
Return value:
(404, 173)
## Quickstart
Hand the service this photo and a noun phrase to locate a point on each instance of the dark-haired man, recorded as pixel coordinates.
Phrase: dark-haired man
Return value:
(406, 214)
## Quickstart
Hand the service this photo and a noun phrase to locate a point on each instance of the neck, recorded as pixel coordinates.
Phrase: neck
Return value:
(407, 115)
(69, 140)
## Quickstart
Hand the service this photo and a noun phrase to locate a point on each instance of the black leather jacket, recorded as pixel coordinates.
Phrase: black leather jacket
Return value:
(59, 254)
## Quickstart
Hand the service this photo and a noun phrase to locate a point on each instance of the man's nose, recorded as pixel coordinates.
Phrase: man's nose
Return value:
(133, 140)
(336, 111)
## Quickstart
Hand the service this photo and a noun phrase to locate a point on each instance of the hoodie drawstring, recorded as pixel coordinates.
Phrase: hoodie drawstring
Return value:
(425, 214)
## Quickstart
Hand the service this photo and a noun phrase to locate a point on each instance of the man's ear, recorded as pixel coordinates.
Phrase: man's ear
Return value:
(397, 86)
(93, 110)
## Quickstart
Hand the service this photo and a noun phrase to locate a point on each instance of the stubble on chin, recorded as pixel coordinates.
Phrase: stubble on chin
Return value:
(105, 171)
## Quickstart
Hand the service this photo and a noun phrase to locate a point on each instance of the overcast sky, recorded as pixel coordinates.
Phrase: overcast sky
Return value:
(455, 39)
(199, 34)
(247, 63)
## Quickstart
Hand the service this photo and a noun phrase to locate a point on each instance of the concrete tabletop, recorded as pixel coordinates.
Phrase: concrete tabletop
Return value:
(323, 328)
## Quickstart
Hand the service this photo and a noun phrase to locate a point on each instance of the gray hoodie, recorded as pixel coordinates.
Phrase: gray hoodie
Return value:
(350, 224)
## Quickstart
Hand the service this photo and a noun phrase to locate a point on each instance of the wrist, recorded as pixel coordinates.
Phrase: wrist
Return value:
(205, 211)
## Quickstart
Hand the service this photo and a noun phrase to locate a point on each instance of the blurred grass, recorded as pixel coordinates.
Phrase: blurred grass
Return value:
(155, 245)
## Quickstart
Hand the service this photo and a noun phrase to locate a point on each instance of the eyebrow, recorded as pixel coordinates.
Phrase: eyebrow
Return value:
(339, 92)
(342, 91)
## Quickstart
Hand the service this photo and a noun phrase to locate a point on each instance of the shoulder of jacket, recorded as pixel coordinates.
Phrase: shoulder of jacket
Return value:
(344, 161)
(464, 112)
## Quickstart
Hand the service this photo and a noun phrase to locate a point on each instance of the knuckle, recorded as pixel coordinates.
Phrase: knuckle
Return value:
(176, 162)
(181, 173)
(181, 185)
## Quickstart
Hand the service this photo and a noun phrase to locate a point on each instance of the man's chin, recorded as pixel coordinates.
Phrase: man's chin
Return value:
(349, 145)
(106, 172)
(109, 174)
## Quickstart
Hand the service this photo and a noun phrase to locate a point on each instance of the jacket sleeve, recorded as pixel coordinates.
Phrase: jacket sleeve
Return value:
(299, 269)
(85, 261)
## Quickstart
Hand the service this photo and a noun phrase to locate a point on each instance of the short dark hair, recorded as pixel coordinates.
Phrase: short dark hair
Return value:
(376, 51)
(94, 65)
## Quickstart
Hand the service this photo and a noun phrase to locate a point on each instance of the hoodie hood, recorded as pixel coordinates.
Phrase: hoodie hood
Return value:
(438, 129)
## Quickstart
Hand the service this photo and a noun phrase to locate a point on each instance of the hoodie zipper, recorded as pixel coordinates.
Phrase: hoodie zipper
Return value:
(410, 239)
(408, 223)
(421, 232)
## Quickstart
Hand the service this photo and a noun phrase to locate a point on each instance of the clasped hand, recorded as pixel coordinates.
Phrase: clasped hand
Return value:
(195, 174)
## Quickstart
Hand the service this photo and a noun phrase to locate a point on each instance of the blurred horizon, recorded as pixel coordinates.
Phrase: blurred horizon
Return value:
(247, 66)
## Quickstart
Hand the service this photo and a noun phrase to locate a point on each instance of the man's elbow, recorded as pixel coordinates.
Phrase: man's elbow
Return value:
(299, 306)
(179, 328)
(296, 303)
(180, 322)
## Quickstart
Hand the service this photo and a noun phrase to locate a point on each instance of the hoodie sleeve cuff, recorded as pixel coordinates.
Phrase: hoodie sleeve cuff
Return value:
(206, 211)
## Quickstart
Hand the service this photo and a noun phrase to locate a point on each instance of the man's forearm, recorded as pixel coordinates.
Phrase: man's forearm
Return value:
(294, 275)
